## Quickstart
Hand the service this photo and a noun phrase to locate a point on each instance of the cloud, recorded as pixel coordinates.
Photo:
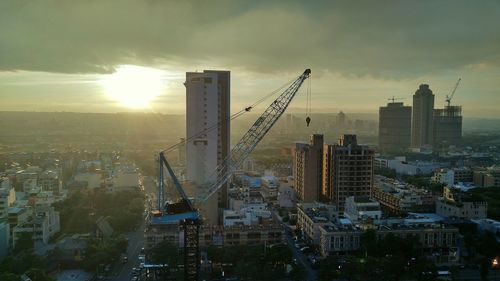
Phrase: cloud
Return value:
(388, 39)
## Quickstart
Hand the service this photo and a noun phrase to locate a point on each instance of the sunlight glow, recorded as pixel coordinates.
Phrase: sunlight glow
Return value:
(133, 86)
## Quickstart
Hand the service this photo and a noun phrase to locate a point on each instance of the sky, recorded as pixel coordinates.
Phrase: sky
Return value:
(131, 55)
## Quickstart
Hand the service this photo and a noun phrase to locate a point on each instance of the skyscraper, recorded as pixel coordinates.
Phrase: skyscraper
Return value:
(422, 120)
(394, 127)
(207, 107)
(307, 168)
(347, 171)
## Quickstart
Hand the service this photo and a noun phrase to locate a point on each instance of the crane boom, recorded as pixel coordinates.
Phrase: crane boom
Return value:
(252, 137)
(448, 98)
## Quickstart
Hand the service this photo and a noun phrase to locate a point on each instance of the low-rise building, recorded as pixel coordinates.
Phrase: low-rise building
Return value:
(213, 235)
(453, 176)
(458, 204)
(43, 225)
(310, 216)
(359, 208)
(412, 168)
(341, 239)
(399, 197)
(7, 197)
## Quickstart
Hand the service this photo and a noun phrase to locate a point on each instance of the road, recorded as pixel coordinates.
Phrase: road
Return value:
(311, 274)
(136, 238)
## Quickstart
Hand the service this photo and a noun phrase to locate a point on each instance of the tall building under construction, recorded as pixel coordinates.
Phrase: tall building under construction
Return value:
(448, 125)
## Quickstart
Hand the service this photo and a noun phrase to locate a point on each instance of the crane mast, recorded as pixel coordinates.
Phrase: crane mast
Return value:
(184, 211)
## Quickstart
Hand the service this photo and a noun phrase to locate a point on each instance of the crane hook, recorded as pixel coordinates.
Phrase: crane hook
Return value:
(308, 120)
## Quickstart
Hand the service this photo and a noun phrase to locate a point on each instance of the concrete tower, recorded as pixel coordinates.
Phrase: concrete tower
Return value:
(422, 120)
(394, 131)
(207, 107)
(307, 168)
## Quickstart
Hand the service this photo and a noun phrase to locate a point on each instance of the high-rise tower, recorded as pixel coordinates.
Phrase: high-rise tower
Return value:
(207, 106)
(347, 171)
(307, 168)
(394, 131)
(422, 119)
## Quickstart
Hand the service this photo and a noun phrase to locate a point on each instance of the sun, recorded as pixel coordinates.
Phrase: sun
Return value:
(133, 86)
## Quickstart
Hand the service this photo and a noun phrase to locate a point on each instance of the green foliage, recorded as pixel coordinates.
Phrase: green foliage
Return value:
(166, 252)
(386, 172)
(36, 274)
(490, 195)
(24, 243)
(425, 183)
(104, 251)
(80, 211)
(7, 276)
(298, 272)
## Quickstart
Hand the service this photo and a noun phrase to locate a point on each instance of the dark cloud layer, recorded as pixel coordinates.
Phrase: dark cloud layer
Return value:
(378, 38)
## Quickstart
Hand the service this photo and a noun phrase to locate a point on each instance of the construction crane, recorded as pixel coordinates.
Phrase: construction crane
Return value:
(395, 99)
(185, 211)
(448, 98)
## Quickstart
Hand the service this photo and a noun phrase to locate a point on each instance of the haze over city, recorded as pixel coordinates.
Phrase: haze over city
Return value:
(65, 56)
(225, 140)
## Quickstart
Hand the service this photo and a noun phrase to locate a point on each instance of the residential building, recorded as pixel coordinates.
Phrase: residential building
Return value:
(49, 181)
(347, 171)
(401, 198)
(411, 168)
(308, 161)
(341, 239)
(458, 204)
(453, 176)
(208, 106)
(7, 197)
(394, 131)
(360, 208)
(422, 117)
(310, 216)
(44, 224)
(488, 177)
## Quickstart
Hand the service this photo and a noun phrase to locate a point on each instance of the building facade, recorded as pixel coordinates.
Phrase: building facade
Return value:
(448, 125)
(347, 171)
(394, 131)
(308, 161)
(422, 117)
(207, 132)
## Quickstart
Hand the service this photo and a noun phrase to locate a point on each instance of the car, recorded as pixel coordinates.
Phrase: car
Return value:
(305, 249)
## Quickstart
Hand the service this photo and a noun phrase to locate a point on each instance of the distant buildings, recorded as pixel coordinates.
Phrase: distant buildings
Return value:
(422, 119)
(488, 177)
(394, 127)
(207, 107)
(347, 171)
(403, 167)
(429, 127)
(308, 162)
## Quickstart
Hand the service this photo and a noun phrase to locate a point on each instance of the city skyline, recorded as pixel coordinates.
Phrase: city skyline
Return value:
(88, 55)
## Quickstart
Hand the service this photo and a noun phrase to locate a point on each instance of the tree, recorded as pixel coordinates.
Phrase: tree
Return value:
(24, 242)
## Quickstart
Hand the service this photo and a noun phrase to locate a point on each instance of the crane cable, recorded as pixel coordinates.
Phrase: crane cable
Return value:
(308, 102)
(232, 117)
